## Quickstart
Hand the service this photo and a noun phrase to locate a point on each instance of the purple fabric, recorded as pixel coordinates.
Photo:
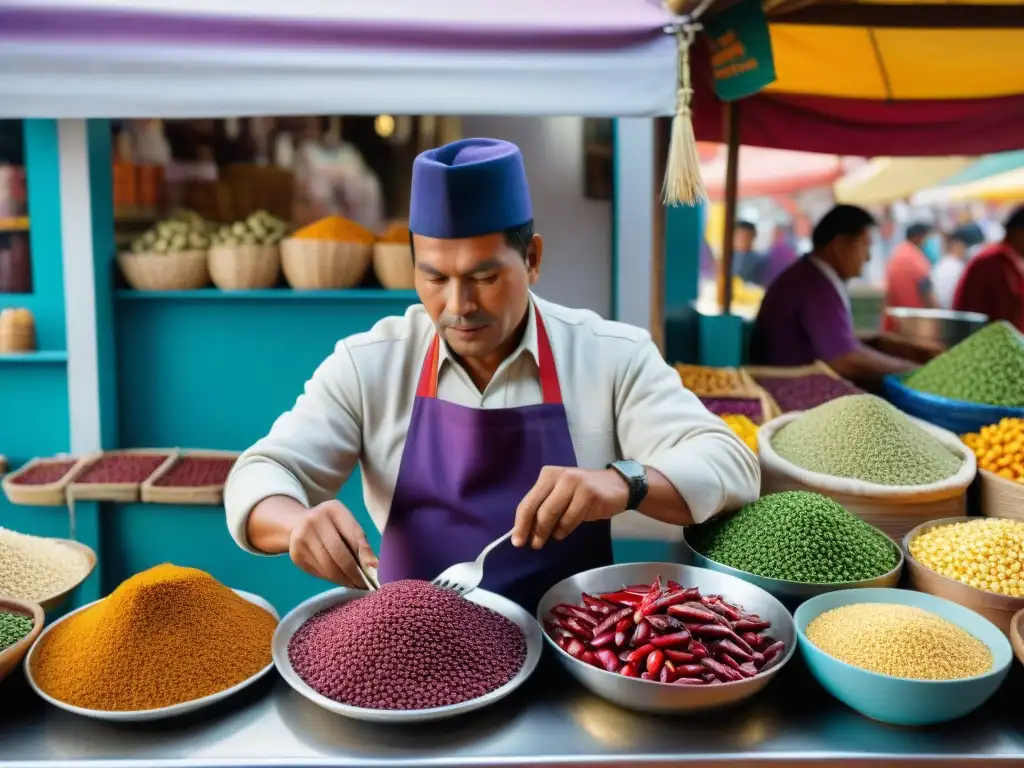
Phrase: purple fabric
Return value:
(780, 257)
(462, 475)
(802, 319)
(529, 24)
(468, 188)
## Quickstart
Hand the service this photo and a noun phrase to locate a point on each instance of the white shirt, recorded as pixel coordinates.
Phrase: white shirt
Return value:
(833, 277)
(945, 277)
(621, 398)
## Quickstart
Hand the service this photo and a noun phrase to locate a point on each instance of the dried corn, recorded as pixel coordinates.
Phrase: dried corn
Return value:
(999, 448)
(987, 553)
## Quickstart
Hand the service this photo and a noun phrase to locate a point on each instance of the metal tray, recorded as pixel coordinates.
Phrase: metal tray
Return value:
(298, 616)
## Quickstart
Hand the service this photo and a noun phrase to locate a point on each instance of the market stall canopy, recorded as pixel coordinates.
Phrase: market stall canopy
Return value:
(885, 180)
(767, 172)
(995, 178)
(885, 78)
(187, 58)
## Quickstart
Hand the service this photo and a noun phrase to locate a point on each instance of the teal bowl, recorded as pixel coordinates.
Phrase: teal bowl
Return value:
(897, 700)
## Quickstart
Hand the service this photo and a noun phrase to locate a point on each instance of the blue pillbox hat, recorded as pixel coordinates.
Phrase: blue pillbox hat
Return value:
(469, 188)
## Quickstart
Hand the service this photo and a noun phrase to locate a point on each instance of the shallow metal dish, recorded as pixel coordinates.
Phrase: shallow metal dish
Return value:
(147, 714)
(298, 616)
(937, 325)
(650, 696)
(791, 591)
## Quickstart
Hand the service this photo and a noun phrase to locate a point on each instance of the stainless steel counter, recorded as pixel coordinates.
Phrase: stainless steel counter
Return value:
(549, 722)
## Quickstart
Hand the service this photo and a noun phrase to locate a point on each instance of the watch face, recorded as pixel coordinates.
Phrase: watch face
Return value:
(630, 468)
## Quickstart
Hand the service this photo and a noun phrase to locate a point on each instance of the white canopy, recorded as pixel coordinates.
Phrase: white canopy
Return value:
(182, 58)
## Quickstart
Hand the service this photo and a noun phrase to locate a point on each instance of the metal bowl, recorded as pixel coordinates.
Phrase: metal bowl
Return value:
(794, 592)
(648, 695)
(306, 610)
(145, 715)
(935, 325)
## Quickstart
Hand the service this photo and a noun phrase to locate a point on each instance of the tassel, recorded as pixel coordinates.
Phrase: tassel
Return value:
(683, 184)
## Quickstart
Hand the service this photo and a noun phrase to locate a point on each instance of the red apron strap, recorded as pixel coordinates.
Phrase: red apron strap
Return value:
(549, 386)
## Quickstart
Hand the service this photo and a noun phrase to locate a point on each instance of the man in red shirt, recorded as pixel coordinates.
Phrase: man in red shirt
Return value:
(908, 274)
(993, 281)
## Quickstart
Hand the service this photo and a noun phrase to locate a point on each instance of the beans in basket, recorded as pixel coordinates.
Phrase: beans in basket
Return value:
(259, 228)
(185, 231)
(666, 633)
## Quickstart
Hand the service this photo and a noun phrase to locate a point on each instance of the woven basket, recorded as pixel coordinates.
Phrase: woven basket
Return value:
(123, 493)
(211, 495)
(324, 265)
(184, 271)
(10, 657)
(393, 264)
(894, 509)
(955, 415)
(245, 267)
(44, 494)
(817, 368)
(1000, 497)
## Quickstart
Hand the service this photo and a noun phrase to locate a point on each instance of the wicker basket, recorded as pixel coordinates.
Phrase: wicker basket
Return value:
(896, 510)
(817, 368)
(1000, 497)
(124, 493)
(324, 265)
(245, 267)
(393, 264)
(12, 656)
(1017, 635)
(48, 494)
(954, 415)
(184, 271)
(209, 495)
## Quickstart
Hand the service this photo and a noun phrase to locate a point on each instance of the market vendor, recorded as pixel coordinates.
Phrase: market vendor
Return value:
(993, 281)
(482, 410)
(805, 315)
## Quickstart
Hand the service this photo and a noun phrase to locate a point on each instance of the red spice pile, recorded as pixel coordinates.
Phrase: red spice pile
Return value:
(410, 646)
(122, 468)
(45, 473)
(196, 472)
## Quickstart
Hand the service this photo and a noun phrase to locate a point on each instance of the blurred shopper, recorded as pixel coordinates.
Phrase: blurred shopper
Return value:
(908, 280)
(993, 281)
(961, 244)
(747, 264)
(782, 253)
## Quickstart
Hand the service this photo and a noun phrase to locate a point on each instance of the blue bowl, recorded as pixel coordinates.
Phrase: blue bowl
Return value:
(958, 416)
(896, 700)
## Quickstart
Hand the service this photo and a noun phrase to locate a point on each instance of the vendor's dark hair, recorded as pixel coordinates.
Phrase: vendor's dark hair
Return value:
(749, 226)
(1016, 219)
(518, 238)
(848, 220)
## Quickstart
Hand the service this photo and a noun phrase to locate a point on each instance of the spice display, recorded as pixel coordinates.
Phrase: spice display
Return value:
(999, 448)
(121, 468)
(899, 640)
(196, 472)
(13, 627)
(165, 636)
(801, 393)
(259, 228)
(987, 553)
(44, 473)
(35, 568)
(336, 229)
(397, 232)
(797, 536)
(712, 382)
(739, 406)
(665, 632)
(186, 231)
(865, 438)
(987, 367)
(744, 428)
(409, 646)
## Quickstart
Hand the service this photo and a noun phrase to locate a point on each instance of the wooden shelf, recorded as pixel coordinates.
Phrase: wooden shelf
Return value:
(14, 224)
(271, 294)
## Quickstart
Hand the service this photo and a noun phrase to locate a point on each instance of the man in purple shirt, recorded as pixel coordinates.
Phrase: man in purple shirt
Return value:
(805, 315)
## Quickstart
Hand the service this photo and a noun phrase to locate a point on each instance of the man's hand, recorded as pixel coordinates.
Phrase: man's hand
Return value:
(317, 545)
(564, 497)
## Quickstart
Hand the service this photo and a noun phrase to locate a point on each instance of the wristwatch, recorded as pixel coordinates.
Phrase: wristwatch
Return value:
(635, 475)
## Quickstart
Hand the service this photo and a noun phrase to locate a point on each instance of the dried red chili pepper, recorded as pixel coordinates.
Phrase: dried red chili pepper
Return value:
(622, 598)
(620, 639)
(747, 625)
(689, 681)
(609, 659)
(669, 641)
(575, 649)
(580, 630)
(654, 661)
(598, 606)
(664, 623)
(773, 650)
(689, 670)
(575, 612)
(639, 654)
(629, 670)
(735, 651)
(679, 657)
(612, 620)
(642, 633)
(690, 612)
(602, 640)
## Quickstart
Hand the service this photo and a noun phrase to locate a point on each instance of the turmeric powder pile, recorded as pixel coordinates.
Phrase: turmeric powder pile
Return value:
(337, 230)
(165, 636)
(397, 232)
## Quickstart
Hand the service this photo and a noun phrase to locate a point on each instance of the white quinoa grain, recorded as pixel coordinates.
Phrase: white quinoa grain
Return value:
(34, 568)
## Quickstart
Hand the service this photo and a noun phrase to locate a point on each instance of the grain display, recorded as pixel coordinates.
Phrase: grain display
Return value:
(196, 472)
(900, 641)
(44, 473)
(801, 393)
(986, 553)
(735, 406)
(35, 568)
(409, 646)
(987, 367)
(865, 438)
(999, 448)
(121, 468)
(13, 627)
(797, 536)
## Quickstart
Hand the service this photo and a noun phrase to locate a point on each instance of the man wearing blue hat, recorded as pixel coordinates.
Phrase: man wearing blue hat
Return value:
(482, 410)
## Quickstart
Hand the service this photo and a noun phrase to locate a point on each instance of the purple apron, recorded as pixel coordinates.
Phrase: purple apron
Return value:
(464, 472)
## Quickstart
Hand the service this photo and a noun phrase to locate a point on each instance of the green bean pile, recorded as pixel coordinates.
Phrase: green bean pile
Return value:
(13, 627)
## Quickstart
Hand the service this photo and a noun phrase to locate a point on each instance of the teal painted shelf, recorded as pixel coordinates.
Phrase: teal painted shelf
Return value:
(283, 294)
(39, 357)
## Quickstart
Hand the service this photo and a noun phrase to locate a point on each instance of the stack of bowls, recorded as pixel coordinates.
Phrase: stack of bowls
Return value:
(896, 700)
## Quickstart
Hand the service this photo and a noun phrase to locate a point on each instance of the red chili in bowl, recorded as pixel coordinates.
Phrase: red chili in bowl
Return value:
(410, 646)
